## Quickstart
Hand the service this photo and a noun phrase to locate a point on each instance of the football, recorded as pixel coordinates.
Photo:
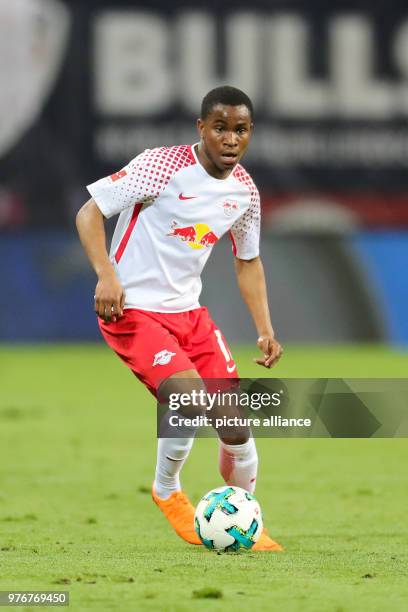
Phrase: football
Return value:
(228, 519)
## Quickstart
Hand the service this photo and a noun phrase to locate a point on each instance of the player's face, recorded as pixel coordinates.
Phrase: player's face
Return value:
(225, 135)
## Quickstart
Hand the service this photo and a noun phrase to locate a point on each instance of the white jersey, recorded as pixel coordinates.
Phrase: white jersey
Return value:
(172, 212)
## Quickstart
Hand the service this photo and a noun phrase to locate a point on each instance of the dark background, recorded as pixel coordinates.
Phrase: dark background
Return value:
(334, 183)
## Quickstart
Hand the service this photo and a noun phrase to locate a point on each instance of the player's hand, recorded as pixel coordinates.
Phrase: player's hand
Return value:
(271, 350)
(109, 298)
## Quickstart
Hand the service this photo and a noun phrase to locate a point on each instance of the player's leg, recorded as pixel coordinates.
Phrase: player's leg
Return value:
(238, 464)
(173, 451)
(174, 445)
(152, 352)
(238, 458)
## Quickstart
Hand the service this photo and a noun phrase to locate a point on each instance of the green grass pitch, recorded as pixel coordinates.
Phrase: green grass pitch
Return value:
(77, 453)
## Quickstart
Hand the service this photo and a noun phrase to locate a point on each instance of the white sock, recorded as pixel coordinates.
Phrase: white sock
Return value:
(171, 456)
(238, 464)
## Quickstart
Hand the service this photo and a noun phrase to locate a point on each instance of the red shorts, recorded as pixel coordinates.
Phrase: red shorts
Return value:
(156, 345)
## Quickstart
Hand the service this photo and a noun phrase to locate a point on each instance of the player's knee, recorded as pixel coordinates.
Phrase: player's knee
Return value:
(186, 395)
(234, 435)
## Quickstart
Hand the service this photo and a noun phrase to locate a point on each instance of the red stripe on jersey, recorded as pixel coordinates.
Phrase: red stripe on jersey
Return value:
(123, 243)
(191, 157)
(234, 246)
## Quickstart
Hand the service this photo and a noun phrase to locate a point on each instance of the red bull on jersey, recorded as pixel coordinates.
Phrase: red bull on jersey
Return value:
(197, 236)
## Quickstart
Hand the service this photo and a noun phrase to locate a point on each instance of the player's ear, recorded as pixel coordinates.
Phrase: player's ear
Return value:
(200, 126)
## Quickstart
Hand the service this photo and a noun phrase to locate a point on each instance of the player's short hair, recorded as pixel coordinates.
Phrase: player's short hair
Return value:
(228, 95)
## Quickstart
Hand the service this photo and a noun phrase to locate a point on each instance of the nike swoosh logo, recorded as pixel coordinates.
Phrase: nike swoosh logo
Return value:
(231, 368)
(183, 197)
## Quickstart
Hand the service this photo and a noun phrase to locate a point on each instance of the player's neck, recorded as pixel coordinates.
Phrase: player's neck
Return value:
(209, 166)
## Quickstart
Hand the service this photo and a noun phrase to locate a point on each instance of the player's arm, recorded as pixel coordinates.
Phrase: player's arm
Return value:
(109, 294)
(110, 196)
(252, 284)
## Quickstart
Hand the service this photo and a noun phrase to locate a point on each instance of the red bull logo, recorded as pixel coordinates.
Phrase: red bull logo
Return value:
(197, 236)
(229, 207)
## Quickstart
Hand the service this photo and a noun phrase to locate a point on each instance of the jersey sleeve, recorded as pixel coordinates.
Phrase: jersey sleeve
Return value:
(245, 232)
(141, 181)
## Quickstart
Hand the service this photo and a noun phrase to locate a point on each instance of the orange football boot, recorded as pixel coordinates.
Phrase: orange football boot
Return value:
(266, 543)
(179, 511)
